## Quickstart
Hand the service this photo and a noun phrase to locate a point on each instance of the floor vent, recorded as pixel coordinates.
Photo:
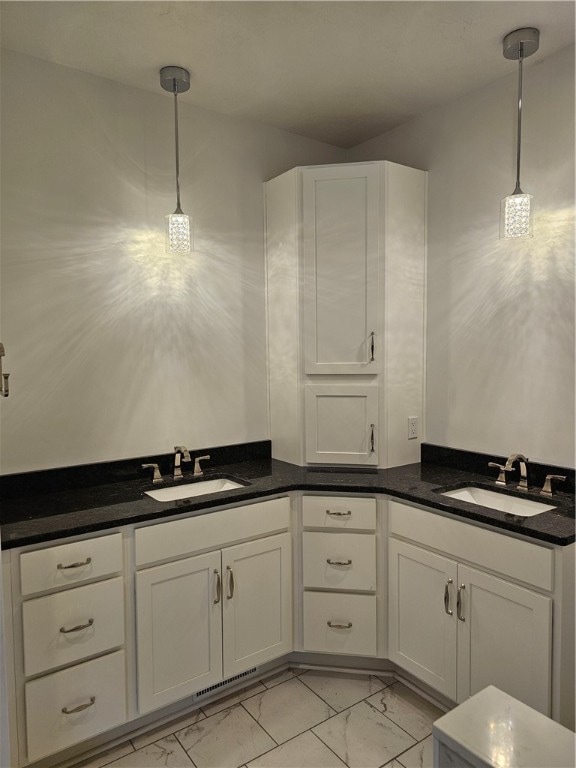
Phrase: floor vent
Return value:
(199, 694)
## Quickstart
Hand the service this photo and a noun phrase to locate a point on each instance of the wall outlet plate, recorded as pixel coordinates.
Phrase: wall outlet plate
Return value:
(412, 427)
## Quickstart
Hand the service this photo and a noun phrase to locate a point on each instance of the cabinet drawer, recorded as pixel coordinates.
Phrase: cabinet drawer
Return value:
(358, 611)
(100, 684)
(210, 531)
(70, 563)
(55, 626)
(339, 512)
(352, 559)
(521, 560)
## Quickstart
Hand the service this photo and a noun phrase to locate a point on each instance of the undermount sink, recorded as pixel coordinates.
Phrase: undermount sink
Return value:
(510, 504)
(197, 488)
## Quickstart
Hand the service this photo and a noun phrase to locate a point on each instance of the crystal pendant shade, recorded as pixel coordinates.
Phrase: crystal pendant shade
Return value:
(178, 233)
(516, 216)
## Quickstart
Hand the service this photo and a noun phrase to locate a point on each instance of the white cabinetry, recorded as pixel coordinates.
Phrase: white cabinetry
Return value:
(345, 295)
(205, 618)
(459, 628)
(338, 565)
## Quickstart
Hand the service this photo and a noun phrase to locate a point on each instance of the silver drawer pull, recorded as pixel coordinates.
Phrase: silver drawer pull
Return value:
(459, 603)
(338, 562)
(78, 628)
(447, 598)
(334, 625)
(218, 586)
(339, 514)
(231, 583)
(74, 565)
(80, 708)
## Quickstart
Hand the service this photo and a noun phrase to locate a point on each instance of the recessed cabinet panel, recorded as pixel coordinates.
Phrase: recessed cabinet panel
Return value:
(337, 623)
(340, 217)
(257, 602)
(339, 561)
(342, 423)
(178, 609)
(504, 640)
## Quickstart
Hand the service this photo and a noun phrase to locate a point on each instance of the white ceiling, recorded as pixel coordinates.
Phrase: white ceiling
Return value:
(340, 72)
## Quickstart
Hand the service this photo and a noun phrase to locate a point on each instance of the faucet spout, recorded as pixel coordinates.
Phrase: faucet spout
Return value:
(522, 461)
(181, 453)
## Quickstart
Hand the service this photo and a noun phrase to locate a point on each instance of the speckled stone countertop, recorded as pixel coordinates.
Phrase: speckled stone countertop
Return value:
(29, 519)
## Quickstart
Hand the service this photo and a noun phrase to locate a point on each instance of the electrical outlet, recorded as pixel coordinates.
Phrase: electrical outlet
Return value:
(412, 427)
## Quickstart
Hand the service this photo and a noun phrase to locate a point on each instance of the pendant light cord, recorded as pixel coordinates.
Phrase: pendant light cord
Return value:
(178, 209)
(518, 191)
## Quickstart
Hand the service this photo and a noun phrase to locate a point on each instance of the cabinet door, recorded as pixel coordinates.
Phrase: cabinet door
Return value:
(257, 602)
(504, 639)
(340, 220)
(342, 423)
(179, 616)
(422, 614)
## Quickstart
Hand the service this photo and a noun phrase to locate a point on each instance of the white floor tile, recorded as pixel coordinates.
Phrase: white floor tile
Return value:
(228, 739)
(341, 690)
(165, 730)
(363, 737)
(420, 756)
(408, 710)
(165, 753)
(287, 710)
(232, 698)
(305, 751)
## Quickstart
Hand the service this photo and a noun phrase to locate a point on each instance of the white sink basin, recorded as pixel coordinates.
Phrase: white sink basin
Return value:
(199, 488)
(511, 504)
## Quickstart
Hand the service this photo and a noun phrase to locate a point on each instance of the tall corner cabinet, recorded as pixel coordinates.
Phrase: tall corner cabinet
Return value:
(346, 256)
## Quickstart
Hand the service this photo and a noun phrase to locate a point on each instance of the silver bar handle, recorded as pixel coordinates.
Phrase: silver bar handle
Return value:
(81, 564)
(218, 586)
(339, 514)
(80, 708)
(335, 625)
(459, 603)
(547, 487)
(231, 583)
(372, 449)
(77, 628)
(4, 387)
(338, 562)
(157, 477)
(447, 598)
(372, 334)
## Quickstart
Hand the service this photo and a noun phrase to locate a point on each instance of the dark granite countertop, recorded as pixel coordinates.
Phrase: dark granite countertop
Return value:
(29, 519)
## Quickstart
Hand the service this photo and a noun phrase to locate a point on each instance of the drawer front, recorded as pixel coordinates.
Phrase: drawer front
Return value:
(99, 684)
(522, 560)
(339, 561)
(71, 563)
(72, 625)
(353, 620)
(211, 531)
(339, 512)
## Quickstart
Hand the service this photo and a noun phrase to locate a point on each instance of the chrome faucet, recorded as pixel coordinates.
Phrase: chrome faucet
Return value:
(180, 453)
(522, 462)
(197, 468)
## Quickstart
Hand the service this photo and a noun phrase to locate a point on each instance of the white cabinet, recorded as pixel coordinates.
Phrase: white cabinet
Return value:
(208, 617)
(337, 565)
(345, 251)
(460, 629)
(340, 242)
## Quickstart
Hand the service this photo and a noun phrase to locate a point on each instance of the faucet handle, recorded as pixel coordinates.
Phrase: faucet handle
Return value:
(157, 478)
(197, 468)
(502, 473)
(547, 487)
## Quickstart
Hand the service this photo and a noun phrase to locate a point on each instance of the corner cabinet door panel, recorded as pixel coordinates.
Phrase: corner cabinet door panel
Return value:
(257, 602)
(179, 615)
(422, 631)
(504, 640)
(342, 423)
(340, 220)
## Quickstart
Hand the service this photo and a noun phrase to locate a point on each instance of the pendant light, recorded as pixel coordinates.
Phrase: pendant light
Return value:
(178, 232)
(516, 210)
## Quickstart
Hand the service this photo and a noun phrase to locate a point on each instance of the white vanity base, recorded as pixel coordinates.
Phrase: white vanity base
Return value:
(493, 729)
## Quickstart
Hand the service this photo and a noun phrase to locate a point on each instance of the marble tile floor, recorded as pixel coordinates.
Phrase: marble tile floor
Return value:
(292, 719)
